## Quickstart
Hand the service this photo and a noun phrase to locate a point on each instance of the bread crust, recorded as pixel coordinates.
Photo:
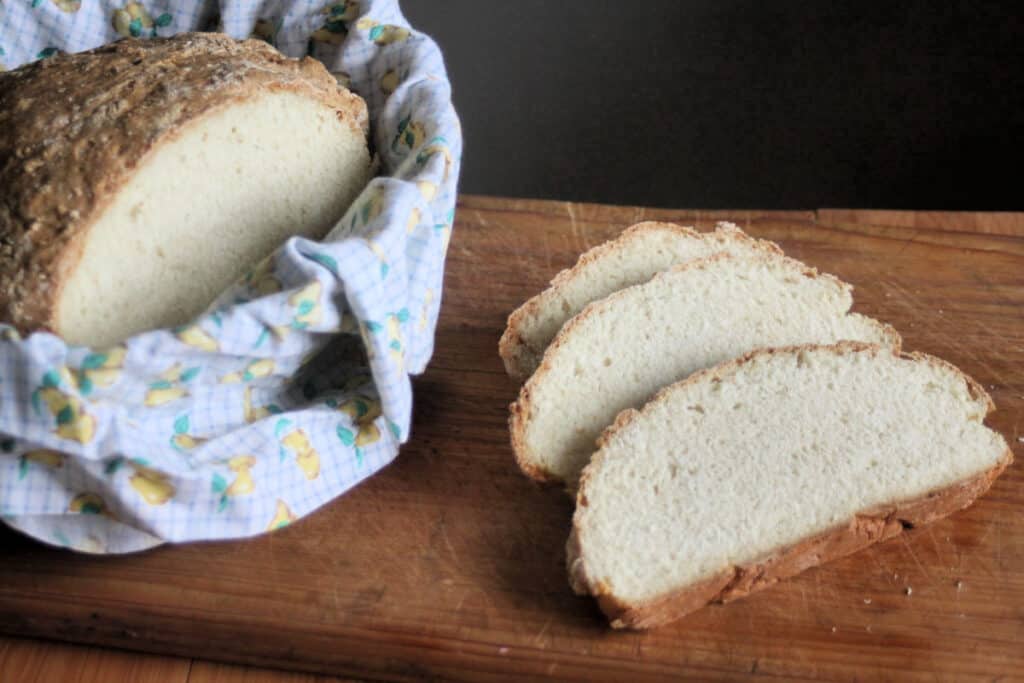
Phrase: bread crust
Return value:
(519, 411)
(521, 358)
(73, 128)
(866, 528)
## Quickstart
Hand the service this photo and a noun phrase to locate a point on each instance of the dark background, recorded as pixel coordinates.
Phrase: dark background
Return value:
(738, 104)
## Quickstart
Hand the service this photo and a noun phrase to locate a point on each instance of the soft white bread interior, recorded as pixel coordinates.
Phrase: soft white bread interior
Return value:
(638, 254)
(622, 349)
(164, 169)
(760, 468)
(202, 208)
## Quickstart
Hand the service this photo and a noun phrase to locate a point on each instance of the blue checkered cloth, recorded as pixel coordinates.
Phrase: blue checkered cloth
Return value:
(268, 405)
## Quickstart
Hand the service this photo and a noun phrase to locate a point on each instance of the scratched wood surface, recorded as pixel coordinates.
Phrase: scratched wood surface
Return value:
(449, 564)
(32, 661)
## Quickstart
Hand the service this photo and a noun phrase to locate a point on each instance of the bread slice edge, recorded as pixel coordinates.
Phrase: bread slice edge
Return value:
(866, 527)
(521, 357)
(519, 410)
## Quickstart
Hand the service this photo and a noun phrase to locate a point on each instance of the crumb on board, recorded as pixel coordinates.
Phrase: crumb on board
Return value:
(502, 650)
(909, 591)
(1020, 439)
(867, 601)
(959, 584)
(833, 629)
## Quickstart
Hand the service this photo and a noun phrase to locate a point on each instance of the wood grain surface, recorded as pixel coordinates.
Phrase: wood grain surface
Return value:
(31, 661)
(449, 564)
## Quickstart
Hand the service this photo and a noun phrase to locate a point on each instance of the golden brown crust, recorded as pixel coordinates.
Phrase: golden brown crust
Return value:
(521, 357)
(74, 127)
(520, 410)
(864, 529)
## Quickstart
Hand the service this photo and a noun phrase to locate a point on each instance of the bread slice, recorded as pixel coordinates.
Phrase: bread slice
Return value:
(638, 254)
(761, 467)
(165, 168)
(619, 351)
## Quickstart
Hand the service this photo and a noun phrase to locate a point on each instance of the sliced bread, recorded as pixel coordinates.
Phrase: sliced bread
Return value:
(761, 467)
(620, 350)
(634, 257)
(140, 179)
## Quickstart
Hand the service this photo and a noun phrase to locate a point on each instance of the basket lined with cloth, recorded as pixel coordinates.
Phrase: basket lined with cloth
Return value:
(294, 385)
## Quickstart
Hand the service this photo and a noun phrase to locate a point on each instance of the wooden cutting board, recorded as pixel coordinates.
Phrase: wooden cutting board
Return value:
(449, 564)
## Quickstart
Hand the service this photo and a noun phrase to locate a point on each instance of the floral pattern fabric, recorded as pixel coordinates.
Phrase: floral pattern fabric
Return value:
(294, 386)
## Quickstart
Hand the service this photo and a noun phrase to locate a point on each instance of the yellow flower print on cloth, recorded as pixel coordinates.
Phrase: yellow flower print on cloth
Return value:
(243, 484)
(134, 21)
(171, 385)
(445, 229)
(261, 280)
(427, 189)
(436, 145)
(393, 326)
(73, 422)
(89, 504)
(43, 457)
(306, 303)
(337, 16)
(389, 82)
(101, 369)
(364, 412)
(254, 413)
(283, 516)
(306, 310)
(182, 440)
(263, 367)
(383, 34)
(151, 484)
(369, 208)
(415, 216)
(197, 337)
(69, 6)
(428, 298)
(410, 133)
(296, 442)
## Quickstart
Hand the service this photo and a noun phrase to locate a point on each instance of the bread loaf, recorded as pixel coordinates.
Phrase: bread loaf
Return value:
(620, 350)
(638, 254)
(761, 467)
(140, 179)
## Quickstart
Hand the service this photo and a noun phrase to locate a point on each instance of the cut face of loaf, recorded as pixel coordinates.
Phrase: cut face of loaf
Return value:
(203, 207)
(634, 257)
(759, 468)
(622, 349)
(172, 166)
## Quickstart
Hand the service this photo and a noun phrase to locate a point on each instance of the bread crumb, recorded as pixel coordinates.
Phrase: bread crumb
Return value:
(867, 601)
(502, 650)
(833, 629)
(959, 584)
(1020, 438)
(868, 628)
(895, 576)
(908, 590)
